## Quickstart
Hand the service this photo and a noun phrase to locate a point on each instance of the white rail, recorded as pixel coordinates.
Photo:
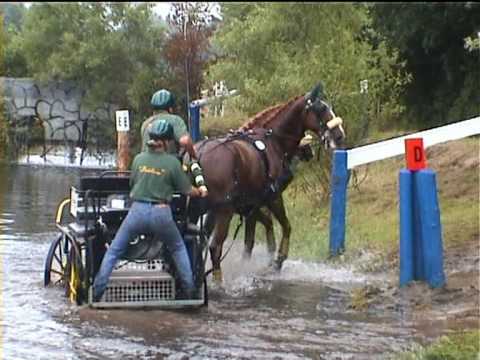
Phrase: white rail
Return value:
(213, 99)
(393, 147)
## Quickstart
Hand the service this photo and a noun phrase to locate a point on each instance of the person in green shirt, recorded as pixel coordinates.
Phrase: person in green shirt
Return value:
(163, 104)
(155, 176)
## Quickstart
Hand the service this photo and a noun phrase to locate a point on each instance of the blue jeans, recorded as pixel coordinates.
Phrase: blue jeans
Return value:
(146, 218)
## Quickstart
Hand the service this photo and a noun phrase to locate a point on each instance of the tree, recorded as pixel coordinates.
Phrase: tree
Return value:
(111, 50)
(187, 49)
(15, 64)
(13, 14)
(430, 36)
(274, 51)
(3, 121)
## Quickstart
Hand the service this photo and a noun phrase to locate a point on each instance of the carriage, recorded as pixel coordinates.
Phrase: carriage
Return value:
(239, 171)
(145, 275)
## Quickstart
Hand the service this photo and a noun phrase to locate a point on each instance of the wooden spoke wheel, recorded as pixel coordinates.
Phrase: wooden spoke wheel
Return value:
(56, 261)
(64, 267)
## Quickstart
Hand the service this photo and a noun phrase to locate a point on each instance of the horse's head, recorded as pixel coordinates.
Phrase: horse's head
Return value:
(320, 118)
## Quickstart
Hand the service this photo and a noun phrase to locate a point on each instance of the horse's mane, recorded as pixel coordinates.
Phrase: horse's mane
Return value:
(264, 117)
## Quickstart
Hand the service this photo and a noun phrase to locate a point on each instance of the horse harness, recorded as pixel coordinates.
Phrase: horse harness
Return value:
(256, 140)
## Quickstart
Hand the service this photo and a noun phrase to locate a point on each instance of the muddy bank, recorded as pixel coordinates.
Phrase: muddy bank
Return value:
(434, 312)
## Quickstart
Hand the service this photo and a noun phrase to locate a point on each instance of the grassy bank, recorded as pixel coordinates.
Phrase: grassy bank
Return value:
(460, 346)
(372, 222)
(372, 211)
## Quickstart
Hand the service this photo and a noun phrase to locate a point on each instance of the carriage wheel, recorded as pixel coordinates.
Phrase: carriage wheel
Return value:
(74, 276)
(64, 267)
(56, 261)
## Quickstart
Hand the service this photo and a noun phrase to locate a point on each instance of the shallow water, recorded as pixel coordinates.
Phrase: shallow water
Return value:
(301, 313)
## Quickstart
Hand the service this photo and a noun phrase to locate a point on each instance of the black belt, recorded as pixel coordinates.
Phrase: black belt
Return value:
(158, 202)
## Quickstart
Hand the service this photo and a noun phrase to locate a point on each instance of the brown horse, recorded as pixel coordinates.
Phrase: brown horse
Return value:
(241, 168)
(264, 216)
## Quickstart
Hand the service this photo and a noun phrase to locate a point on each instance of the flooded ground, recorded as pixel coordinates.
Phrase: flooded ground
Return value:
(302, 313)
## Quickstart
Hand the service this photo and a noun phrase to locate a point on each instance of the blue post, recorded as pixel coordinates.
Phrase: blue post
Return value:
(406, 227)
(417, 244)
(338, 202)
(421, 250)
(195, 121)
(430, 227)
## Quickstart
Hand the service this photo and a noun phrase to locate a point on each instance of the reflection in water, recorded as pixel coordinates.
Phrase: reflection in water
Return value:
(258, 316)
(35, 192)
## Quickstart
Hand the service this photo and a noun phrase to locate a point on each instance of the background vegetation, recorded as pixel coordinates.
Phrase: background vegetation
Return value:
(118, 53)
(421, 60)
(463, 345)
(3, 123)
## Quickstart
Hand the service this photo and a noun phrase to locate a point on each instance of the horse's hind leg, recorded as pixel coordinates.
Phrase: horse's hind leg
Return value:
(220, 232)
(278, 209)
(265, 217)
(267, 221)
(249, 241)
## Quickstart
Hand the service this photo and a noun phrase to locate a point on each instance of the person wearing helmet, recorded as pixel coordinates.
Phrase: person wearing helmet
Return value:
(155, 176)
(163, 104)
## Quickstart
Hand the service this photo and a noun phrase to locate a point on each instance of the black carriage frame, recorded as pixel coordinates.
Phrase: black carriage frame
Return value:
(75, 255)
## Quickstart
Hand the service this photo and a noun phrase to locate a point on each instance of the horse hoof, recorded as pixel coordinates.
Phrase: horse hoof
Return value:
(277, 264)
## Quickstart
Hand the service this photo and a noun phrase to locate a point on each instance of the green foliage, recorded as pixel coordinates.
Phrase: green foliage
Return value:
(431, 38)
(15, 64)
(3, 122)
(98, 46)
(274, 51)
(211, 126)
(471, 43)
(109, 50)
(12, 15)
(464, 345)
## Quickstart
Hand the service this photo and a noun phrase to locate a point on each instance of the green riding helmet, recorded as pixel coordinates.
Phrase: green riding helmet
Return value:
(162, 100)
(160, 130)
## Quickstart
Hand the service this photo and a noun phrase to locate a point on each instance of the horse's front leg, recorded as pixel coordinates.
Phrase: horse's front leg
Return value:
(220, 232)
(278, 209)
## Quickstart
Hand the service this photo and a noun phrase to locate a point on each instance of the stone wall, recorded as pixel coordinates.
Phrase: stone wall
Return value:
(56, 106)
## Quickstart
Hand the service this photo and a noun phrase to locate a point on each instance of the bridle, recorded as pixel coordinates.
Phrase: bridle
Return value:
(318, 107)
